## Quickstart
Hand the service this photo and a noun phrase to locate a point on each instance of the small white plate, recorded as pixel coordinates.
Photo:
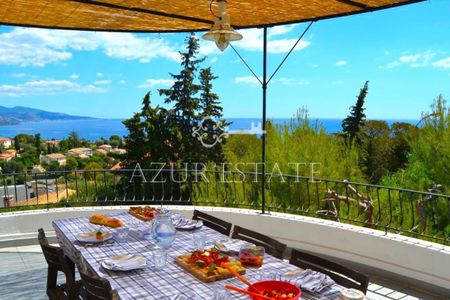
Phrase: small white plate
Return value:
(125, 262)
(91, 237)
(188, 224)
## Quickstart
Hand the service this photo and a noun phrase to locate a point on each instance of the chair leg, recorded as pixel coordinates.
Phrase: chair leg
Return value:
(52, 277)
(72, 267)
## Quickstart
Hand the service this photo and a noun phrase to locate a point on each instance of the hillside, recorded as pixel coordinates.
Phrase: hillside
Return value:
(19, 114)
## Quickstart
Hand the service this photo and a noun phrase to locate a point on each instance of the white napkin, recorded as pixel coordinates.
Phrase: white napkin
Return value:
(234, 245)
(315, 282)
(128, 262)
(184, 223)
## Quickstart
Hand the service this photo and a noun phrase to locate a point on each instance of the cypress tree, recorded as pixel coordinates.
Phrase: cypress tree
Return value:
(16, 143)
(352, 125)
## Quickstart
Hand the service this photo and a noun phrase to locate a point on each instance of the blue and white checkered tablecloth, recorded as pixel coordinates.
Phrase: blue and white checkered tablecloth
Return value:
(148, 283)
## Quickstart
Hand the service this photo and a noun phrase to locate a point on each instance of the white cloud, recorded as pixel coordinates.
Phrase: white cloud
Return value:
(122, 81)
(213, 60)
(443, 63)
(149, 83)
(417, 60)
(47, 87)
(38, 47)
(341, 63)
(280, 30)
(18, 75)
(251, 80)
(99, 74)
(253, 41)
(102, 82)
(74, 76)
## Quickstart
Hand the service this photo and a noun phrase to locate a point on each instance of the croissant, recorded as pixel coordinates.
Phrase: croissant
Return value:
(104, 220)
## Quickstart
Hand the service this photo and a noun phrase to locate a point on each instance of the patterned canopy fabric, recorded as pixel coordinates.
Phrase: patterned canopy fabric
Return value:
(176, 15)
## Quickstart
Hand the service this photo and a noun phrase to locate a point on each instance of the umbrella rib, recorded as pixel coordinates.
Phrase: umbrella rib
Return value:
(290, 51)
(144, 11)
(246, 64)
(354, 3)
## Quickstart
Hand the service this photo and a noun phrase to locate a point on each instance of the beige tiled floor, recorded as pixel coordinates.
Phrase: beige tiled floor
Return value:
(23, 275)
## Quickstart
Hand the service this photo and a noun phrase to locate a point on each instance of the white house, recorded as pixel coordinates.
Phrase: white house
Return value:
(5, 142)
(80, 152)
(58, 157)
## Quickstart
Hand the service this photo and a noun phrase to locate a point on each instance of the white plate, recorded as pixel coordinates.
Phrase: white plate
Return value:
(90, 237)
(125, 262)
(187, 224)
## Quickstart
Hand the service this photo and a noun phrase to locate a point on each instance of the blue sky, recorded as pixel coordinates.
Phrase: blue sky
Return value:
(404, 52)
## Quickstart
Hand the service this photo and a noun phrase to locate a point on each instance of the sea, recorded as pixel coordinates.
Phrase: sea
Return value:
(94, 129)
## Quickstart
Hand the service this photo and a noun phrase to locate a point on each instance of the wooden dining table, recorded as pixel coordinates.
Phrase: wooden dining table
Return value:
(149, 283)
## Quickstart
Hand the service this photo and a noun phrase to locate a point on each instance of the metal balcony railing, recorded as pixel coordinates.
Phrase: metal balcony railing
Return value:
(424, 215)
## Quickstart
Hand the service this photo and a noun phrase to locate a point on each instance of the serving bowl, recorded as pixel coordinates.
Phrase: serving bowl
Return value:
(275, 285)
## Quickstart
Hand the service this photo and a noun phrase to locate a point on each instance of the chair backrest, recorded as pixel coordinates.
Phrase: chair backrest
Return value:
(41, 237)
(97, 288)
(341, 275)
(53, 255)
(213, 222)
(57, 261)
(272, 246)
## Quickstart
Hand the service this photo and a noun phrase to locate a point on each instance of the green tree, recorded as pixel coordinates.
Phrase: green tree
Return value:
(377, 149)
(53, 166)
(92, 166)
(351, 125)
(38, 143)
(115, 141)
(11, 167)
(17, 143)
(28, 156)
(73, 141)
(211, 114)
(150, 137)
(71, 163)
(402, 135)
(183, 95)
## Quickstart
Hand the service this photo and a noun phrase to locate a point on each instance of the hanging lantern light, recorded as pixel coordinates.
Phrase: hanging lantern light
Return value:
(222, 32)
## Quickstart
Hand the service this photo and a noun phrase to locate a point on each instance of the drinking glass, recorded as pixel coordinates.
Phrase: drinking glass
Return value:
(159, 258)
(199, 240)
(121, 234)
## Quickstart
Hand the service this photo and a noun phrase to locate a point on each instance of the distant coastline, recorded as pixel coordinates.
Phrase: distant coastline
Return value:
(19, 114)
(93, 129)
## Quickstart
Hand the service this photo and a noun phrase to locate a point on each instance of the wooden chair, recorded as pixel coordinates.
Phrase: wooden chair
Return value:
(97, 288)
(272, 246)
(340, 274)
(213, 222)
(58, 262)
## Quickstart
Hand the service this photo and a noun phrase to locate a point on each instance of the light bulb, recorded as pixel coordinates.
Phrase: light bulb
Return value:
(221, 41)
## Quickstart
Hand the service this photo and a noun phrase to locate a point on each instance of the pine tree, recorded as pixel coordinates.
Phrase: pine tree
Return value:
(183, 94)
(211, 114)
(149, 138)
(352, 125)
